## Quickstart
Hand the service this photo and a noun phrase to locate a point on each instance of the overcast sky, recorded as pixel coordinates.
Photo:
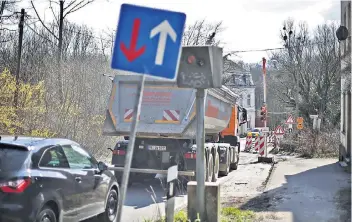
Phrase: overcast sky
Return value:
(250, 24)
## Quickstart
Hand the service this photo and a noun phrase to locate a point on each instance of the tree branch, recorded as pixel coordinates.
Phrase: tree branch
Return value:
(33, 30)
(52, 11)
(41, 21)
(77, 7)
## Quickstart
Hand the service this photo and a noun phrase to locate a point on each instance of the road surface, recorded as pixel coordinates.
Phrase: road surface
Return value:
(140, 205)
(315, 190)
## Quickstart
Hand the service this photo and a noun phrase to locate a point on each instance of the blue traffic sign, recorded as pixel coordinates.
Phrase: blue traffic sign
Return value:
(148, 41)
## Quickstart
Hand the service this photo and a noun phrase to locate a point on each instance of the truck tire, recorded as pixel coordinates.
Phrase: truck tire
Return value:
(228, 162)
(234, 165)
(210, 168)
(216, 167)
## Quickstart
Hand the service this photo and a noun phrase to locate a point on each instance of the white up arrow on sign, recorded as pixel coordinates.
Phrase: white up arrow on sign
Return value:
(164, 29)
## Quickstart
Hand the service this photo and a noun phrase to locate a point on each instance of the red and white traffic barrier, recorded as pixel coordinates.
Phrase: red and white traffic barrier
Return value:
(248, 143)
(261, 145)
(256, 146)
(271, 137)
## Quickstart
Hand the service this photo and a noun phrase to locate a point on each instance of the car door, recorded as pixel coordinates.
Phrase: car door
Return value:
(85, 172)
(54, 176)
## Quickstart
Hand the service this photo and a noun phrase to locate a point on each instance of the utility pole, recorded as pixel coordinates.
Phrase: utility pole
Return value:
(59, 53)
(19, 55)
(264, 89)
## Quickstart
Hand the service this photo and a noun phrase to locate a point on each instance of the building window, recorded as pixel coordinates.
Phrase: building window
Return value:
(249, 100)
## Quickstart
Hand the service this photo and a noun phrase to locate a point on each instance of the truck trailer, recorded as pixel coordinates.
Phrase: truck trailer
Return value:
(166, 129)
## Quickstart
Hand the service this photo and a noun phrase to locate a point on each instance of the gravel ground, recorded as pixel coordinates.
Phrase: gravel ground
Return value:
(246, 182)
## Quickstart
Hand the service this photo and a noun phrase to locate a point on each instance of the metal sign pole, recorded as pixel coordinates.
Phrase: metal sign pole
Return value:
(200, 162)
(171, 192)
(130, 148)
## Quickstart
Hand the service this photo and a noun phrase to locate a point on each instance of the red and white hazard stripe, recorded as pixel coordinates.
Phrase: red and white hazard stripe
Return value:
(171, 115)
(270, 137)
(261, 145)
(248, 143)
(256, 146)
(129, 115)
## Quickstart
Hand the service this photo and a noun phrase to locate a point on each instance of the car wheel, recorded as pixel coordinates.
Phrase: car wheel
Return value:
(46, 215)
(110, 214)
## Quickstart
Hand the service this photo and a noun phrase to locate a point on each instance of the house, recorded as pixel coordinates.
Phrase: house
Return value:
(241, 82)
(345, 52)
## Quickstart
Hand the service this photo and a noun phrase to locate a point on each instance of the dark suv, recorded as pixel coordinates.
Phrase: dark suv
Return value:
(49, 180)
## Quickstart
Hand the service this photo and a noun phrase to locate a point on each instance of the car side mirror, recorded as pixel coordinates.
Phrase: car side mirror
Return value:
(102, 166)
(110, 149)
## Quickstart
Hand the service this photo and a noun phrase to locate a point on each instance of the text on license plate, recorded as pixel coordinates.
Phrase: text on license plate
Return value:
(158, 148)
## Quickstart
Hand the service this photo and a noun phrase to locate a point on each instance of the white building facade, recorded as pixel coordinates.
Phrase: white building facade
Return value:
(345, 52)
(242, 83)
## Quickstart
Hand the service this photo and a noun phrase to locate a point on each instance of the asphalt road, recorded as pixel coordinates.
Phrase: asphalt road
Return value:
(140, 205)
(146, 201)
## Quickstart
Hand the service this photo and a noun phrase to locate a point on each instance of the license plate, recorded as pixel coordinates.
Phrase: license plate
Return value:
(157, 148)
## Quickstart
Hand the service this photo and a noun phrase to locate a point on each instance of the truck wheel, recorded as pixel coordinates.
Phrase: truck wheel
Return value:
(234, 165)
(226, 172)
(210, 168)
(216, 167)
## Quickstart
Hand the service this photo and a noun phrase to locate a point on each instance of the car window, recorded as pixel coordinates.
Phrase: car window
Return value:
(54, 157)
(78, 158)
(12, 158)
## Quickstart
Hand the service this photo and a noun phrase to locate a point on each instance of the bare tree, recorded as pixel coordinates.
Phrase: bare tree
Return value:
(64, 9)
(199, 32)
(307, 75)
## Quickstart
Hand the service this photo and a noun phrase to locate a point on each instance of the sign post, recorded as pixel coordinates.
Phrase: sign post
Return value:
(171, 192)
(279, 133)
(200, 69)
(200, 158)
(290, 121)
(140, 48)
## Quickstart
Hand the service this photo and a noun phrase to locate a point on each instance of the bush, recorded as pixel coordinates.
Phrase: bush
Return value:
(309, 143)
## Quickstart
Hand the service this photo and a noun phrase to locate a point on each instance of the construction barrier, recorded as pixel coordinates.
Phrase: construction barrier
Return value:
(261, 145)
(248, 143)
(256, 146)
(271, 137)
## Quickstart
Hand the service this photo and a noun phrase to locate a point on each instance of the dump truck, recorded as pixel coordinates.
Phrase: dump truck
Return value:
(166, 129)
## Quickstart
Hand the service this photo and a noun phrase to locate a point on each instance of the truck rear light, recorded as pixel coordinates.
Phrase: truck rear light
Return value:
(190, 155)
(15, 186)
(119, 152)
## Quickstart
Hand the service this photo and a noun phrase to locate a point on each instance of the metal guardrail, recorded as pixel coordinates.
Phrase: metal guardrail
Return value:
(152, 171)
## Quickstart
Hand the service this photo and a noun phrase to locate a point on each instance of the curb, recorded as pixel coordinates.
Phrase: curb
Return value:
(272, 168)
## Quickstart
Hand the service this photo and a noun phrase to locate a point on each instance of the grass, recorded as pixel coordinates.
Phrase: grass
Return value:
(228, 214)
